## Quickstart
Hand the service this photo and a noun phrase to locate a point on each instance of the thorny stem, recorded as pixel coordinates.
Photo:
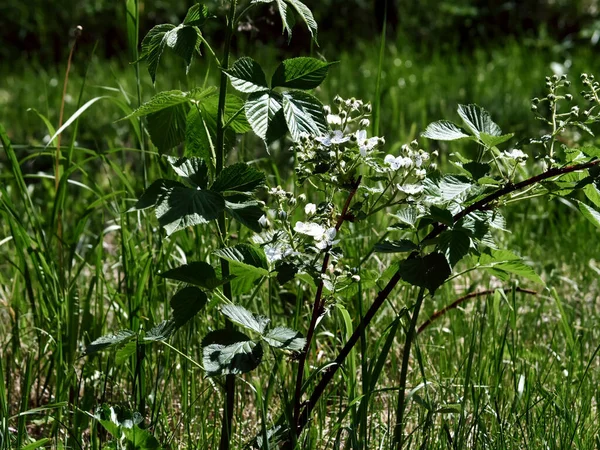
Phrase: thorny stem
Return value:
(318, 308)
(220, 157)
(456, 303)
(329, 373)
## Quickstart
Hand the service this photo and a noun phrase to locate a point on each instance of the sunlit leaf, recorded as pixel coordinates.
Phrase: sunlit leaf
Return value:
(300, 73)
(110, 340)
(230, 352)
(303, 114)
(444, 130)
(285, 339)
(241, 316)
(247, 76)
(478, 120)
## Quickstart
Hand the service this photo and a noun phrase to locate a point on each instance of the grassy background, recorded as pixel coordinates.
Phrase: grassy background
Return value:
(501, 371)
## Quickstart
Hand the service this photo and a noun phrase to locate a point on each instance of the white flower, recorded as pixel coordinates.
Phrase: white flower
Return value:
(420, 173)
(365, 145)
(327, 239)
(517, 155)
(310, 229)
(310, 209)
(324, 237)
(334, 119)
(397, 162)
(410, 189)
(264, 222)
(275, 252)
(337, 137)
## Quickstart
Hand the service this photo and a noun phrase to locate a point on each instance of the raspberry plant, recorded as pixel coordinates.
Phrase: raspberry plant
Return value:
(438, 221)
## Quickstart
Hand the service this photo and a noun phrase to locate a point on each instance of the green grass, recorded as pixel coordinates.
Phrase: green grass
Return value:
(502, 371)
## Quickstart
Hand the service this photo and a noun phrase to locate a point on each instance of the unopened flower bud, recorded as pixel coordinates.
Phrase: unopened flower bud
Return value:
(264, 222)
(281, 214)
(568, 97)
(302, 198)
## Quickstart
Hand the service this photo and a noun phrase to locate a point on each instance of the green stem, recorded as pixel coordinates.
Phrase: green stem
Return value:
(228, 407)
(410, 336)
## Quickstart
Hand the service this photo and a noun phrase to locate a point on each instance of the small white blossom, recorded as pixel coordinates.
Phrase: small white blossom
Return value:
(337, 137)
(264, 222)
(324, 237)
(275, 252)
(334, 119)
(398, 162)
(365, 145)
(410, 189)
(420, 173)
(310, 209)
(517, 155)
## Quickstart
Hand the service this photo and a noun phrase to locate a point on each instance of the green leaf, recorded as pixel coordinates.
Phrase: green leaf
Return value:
(592, 152)
(430, 271)
(162, 331)
(492, 141)
(248, 263)
(230, 352)
(241, 316)
(444, 130)
(247, 213)
(167, 127)
(197, 15)
(285, 339)
(37, 444)
(478, 120)
(300, 73)
(193, 170)
(184, 41)
(181, 207)
(593, 194)
(239, 177)
(154, 193)
(265, 115)
(247, 76)
(160, 101)
(590, 213)
(499, 262)
(117, 339)
(306, 15)
(477, 170)
(199, 141)
(441, 215)
(153, 46)
(186, 303)
(401, 246)
(287, 18)
(407, 216)
(446, 188)
(198, 273)
(456, 244)
(303, 114)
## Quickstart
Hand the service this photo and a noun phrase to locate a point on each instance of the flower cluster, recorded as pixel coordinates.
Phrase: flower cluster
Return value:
(335, 155)
(410, 167)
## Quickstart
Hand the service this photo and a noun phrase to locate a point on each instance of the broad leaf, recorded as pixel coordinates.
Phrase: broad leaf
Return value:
(162, 331)
(478, 120)
(502, 262)
(198, 273)
(306, 15)
(241, 316)
(300, 73)
(444, 130)
(117, 339)
(285, 339)
(477, 170)
(181, 207)
(196, 15)
(446, 188)
(265, 115)
(184, 41)
(199, 141)
(456, 244)
(492, 141)
(248, 263)
(230, 352)
(239, 177)
(154, 193)
(303, 114)
(247, 76)
(153, 46)
(160, 101)
(430, 271)
(186, 303)
(590, 213)
(441, 215)
(401, 246)
(167, 126)
(247, 213)
(193, 170)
